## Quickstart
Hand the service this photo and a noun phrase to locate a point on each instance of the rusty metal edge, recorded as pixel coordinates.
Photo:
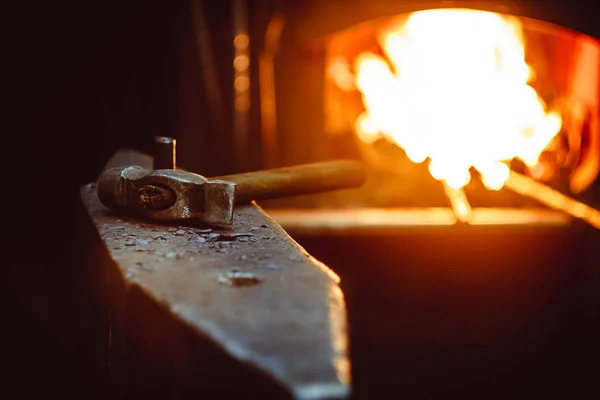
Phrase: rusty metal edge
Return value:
(339, 389)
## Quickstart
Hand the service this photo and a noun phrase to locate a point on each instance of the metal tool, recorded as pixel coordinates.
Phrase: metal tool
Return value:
(247, 301)
(165, 149)
(169, 194)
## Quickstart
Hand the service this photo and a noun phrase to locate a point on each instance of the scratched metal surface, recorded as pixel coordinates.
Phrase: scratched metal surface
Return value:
(250, 288)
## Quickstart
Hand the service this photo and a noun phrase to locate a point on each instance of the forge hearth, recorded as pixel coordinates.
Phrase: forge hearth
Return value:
(313, 108)
(493, 309)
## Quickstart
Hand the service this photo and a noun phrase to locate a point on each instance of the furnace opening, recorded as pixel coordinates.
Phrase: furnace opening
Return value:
(468, 94)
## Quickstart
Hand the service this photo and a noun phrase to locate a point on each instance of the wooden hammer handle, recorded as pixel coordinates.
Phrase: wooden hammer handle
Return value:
(297, 180)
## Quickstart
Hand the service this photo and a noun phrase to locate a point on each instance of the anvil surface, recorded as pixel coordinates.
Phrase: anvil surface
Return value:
(249, 288)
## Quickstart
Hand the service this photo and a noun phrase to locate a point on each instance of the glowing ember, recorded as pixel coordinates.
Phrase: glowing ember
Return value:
(455, 89)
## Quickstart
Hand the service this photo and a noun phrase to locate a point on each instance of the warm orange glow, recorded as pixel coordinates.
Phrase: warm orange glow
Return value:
(240, 63)
(241, 41)
(339, 71)
(454, 89)
(241, 83)
(527, 186)
(459, 203)
(242, 104)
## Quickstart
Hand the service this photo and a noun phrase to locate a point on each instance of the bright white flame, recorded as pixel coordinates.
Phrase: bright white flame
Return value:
(457, 93)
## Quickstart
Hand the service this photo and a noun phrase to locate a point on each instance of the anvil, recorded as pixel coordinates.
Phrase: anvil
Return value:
(191, 304)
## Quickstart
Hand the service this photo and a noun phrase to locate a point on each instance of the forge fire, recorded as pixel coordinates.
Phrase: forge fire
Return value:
(460, 99)
(453, 87)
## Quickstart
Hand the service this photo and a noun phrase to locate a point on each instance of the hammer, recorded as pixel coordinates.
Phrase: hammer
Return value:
(169, 194)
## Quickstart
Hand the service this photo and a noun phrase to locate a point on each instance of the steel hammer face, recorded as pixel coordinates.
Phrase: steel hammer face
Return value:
(167, 195)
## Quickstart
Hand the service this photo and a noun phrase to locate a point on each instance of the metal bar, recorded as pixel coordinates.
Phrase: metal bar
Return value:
(529, 187)
(165, 152)
(391, 220)
(459, 202)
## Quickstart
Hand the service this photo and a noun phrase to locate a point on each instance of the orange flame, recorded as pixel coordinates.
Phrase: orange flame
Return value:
(455, 89)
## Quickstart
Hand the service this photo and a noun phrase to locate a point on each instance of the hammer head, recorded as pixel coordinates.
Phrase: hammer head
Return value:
(167, 195)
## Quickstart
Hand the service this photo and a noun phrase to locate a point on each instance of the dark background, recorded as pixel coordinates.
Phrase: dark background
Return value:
(84, 79)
